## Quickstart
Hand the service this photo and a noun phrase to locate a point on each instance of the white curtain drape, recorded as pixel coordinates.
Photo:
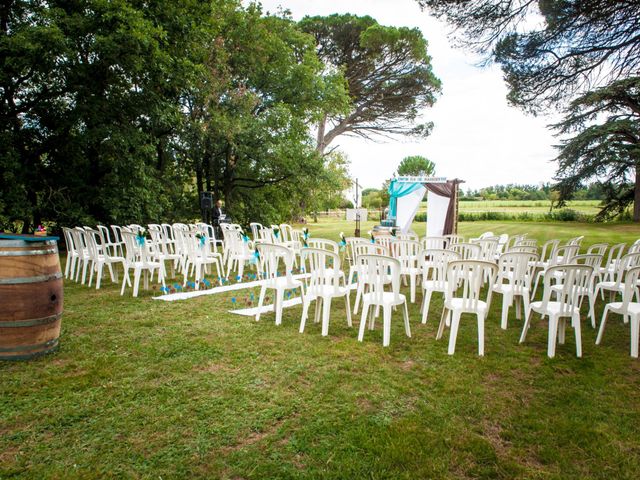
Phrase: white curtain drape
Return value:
(407, 208)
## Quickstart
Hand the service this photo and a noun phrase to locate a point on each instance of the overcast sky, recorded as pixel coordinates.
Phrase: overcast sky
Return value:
(477, 136)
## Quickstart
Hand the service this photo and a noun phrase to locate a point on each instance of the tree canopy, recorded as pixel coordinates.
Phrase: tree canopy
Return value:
(581, 57)
(607, 145)
(416, 165)
(122, 112)
(549, 50)
(388, 76)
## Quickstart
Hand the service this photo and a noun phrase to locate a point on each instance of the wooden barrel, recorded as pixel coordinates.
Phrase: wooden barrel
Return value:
(31, 296)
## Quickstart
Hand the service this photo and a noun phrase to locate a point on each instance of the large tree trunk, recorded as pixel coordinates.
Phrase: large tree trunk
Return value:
(636, 196)
(321, 144)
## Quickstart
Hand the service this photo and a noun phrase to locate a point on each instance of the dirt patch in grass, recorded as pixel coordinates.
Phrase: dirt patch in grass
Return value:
(215, 368)
(256, 437)
(492, 432)
(8, 455)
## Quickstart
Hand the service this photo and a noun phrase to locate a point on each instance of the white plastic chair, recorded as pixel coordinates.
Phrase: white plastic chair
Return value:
(465, 279)
(453, 239)
(72, 253)
(608, 270)
(515, 273)
(434, 264)
(199, 257)
(406, 251)
(374, 270)
(559, 256)
(488, 248)
(140, 260)
(241, 251)
(617, 285)
(366, 248)
(84, 257)
(323, 286)
(433, 243)
(627, 308)
(566, 304)
(273, 258)
(100, 257)
(467, 251)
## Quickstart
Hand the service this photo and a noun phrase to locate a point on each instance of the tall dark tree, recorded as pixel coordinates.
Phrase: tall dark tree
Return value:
(388, 75)
(606, 147)
(584, 58)
(578, 45)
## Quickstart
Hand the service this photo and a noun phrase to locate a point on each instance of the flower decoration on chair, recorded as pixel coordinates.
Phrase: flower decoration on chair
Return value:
(305, 233)
(141, 237)
(373, 239)
(276, 233)
(256, 257)
(393, 231)
(343, 241)
(201, 239)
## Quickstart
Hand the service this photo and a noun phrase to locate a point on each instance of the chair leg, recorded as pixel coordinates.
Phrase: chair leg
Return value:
(305, 313)
(279, 306)
(316, 314)
(635, 330)
(562, 327)
(592, 309)
(363, 321)
(507, 299)
(426, 301)
(412, 282)
(125, 280)
(326, 311)
(99, 277)
(578, 333)
(111, 274)
(358, 295)
(386, 325)
(441, 326)
(480, 334)
(136, 281)
(260, 301)
(348, 306)
(602, 324)
(455, 323)
(553, 335)
(407, 326)
(518, 300)
(525, 327)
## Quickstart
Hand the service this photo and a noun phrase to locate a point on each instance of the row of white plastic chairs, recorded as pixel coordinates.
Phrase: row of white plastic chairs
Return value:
(189, 249)
(192, 248)
(568, 278)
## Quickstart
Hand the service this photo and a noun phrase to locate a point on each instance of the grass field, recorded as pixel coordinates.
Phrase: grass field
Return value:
(589, 207)
(149, 389)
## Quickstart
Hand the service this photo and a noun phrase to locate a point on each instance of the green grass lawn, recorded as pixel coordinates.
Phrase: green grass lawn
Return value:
(149, 389)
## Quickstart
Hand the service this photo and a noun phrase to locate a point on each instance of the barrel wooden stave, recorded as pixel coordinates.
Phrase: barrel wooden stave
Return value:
(31, 299)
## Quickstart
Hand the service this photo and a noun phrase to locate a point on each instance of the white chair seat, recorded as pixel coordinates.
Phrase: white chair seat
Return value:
(387, 298)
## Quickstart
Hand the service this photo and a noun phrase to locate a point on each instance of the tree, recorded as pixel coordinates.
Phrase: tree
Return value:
(88, 99)
(583, 57)
(579, 45)
(416, 165)
(388, 76)
(247, 120)
(606, 147)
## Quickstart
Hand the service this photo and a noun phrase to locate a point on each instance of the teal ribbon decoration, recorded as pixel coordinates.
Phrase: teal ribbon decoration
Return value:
(140, 239)
(397, 190)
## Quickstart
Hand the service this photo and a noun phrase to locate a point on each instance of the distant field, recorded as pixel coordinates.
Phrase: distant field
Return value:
(589, 207)
(611, 233)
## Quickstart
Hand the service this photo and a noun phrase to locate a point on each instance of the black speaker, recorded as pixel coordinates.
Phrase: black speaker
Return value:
(206, 200)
